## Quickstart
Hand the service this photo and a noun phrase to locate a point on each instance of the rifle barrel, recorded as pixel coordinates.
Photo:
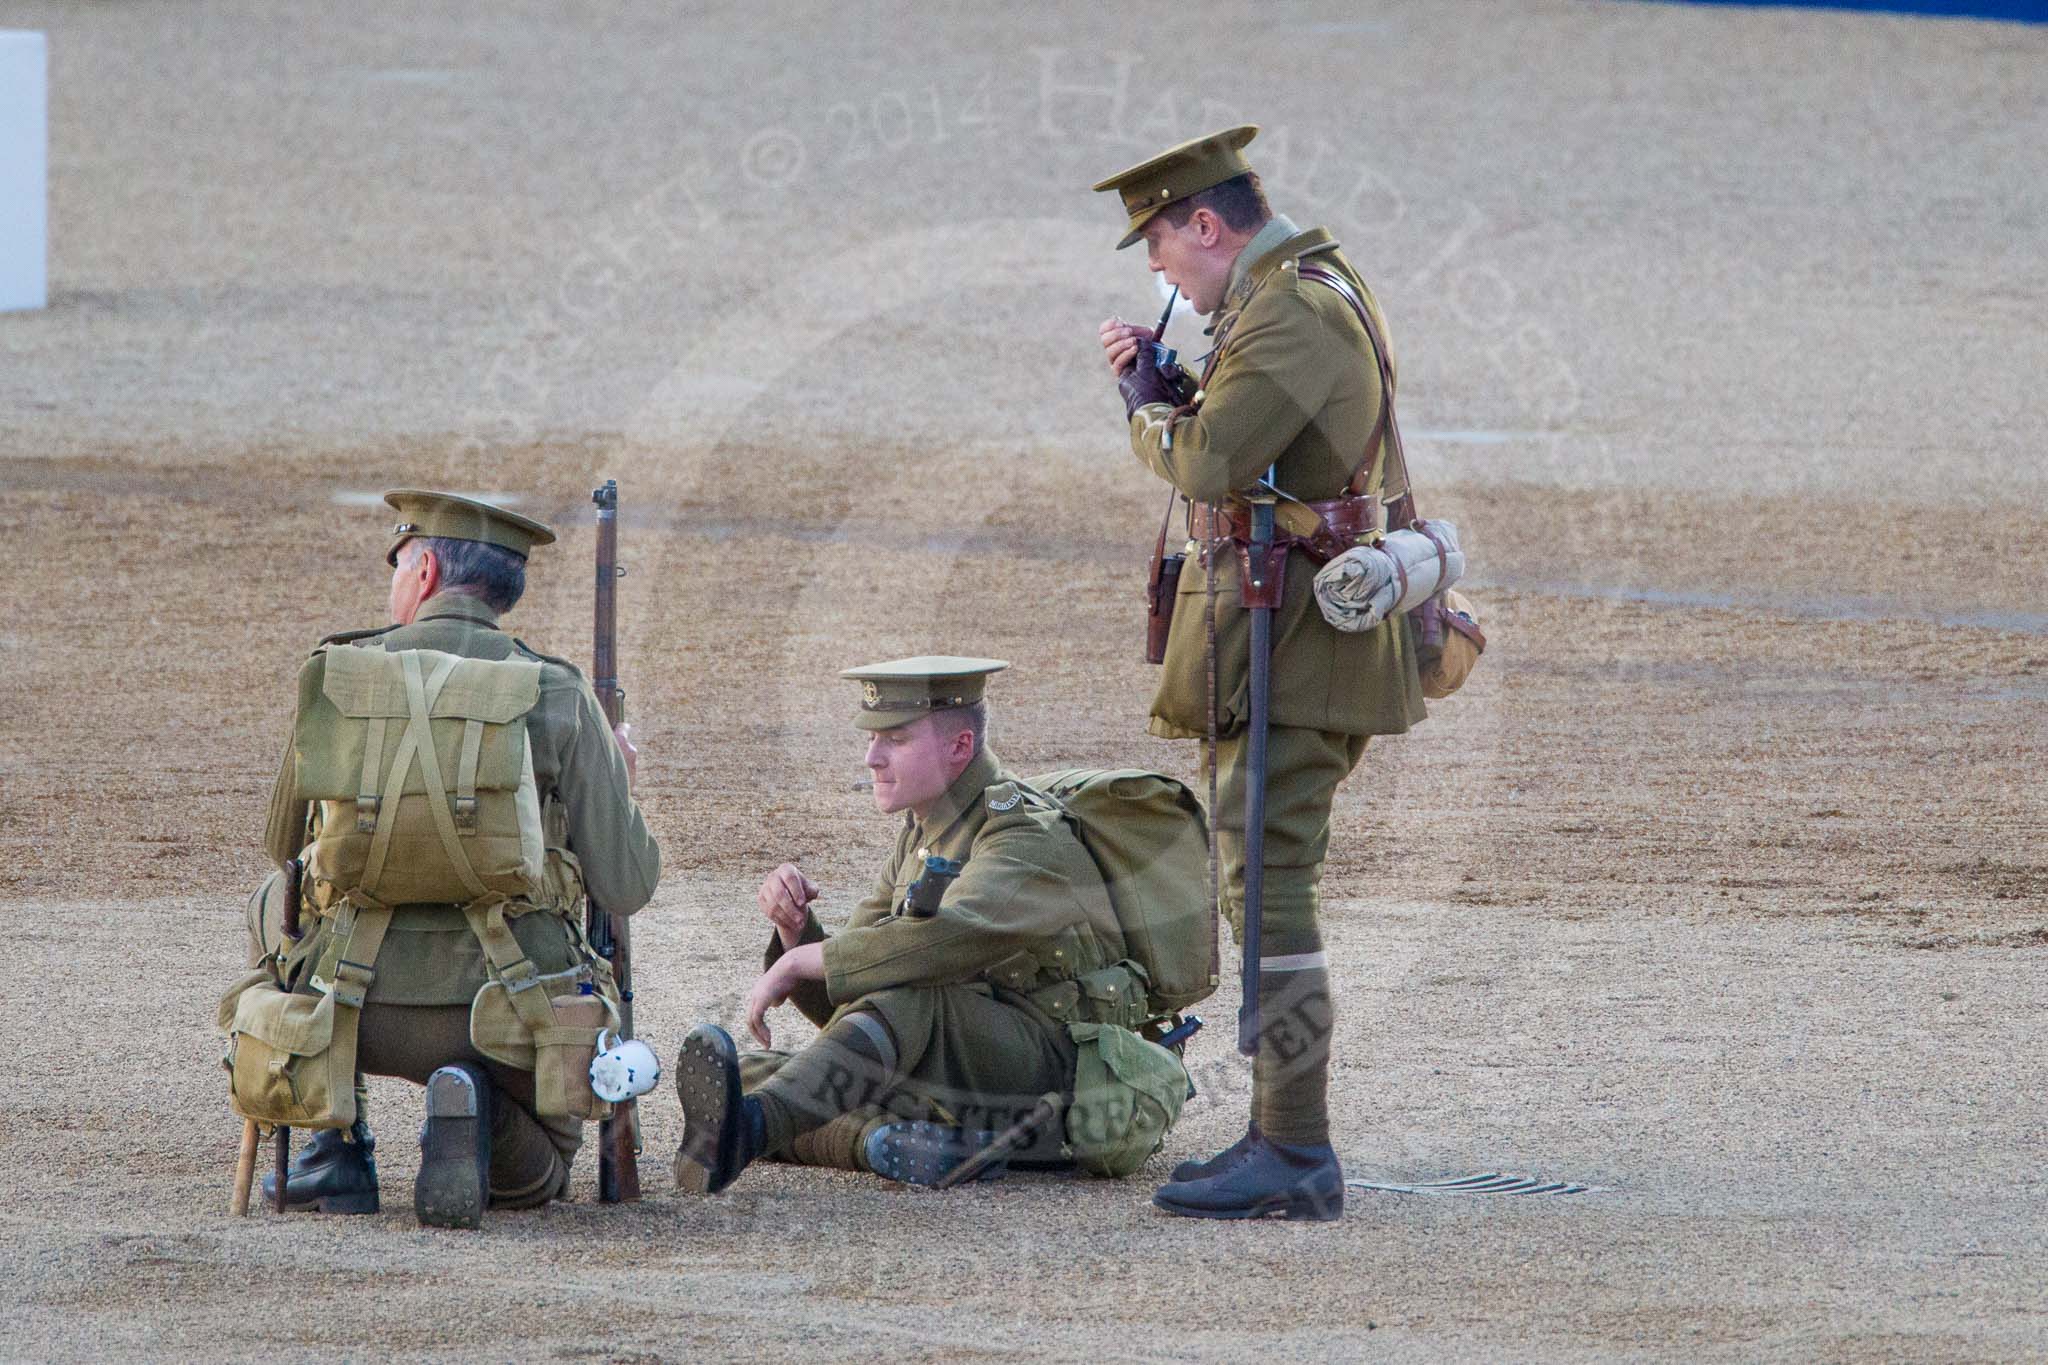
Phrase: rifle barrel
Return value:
(618, 1145)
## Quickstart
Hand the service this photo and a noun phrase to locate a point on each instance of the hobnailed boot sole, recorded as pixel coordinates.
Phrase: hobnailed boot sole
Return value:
(455, 1151)
(707, 1084)
(923, 1153)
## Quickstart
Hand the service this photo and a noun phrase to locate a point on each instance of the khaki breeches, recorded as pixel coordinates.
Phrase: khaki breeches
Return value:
(961, 1055)
(530, 1155)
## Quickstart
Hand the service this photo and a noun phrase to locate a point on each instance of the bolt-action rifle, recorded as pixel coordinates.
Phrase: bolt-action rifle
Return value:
(618, 1137)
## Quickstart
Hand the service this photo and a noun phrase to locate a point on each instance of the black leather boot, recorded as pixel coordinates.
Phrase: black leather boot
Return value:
(336, 1173)
(1217, 1164)
(723, 1130)
(1272, 1180)
(454, 1182)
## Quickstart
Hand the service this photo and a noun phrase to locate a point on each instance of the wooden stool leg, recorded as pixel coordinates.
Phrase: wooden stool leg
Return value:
(245, 1172)
(284, 1161)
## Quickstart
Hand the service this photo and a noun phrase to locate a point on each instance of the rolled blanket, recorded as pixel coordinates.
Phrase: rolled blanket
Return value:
(1368, 583)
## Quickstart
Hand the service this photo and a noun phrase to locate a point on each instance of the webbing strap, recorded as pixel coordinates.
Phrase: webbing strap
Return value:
(415, 738)
(486, 916)
(366, 789)
(420, 704)
(356, 960)
(465, 776)
(348, 959)
(1386, 424)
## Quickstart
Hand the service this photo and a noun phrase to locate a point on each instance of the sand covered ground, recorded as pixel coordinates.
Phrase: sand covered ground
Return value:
(1720, 889)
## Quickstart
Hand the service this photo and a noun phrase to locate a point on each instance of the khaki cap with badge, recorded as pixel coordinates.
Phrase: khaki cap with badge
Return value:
(898, 692)
(1178, 173)
(450, 516)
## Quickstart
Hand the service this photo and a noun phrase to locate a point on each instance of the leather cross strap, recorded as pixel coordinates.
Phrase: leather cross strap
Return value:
(1401, 506)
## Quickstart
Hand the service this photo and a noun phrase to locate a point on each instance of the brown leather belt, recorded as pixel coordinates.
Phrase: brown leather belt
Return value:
(1346, 521)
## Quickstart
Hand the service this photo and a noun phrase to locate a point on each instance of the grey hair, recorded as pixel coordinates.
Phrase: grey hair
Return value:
(490, 573)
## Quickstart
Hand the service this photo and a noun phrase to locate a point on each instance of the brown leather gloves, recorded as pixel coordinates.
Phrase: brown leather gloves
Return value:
(1144, 383)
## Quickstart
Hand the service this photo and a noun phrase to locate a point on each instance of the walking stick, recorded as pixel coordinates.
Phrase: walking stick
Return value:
(1262, 594)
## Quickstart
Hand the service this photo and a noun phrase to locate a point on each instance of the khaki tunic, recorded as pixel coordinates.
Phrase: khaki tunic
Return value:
(1294, 385)
(1028, 915)
(430, 956)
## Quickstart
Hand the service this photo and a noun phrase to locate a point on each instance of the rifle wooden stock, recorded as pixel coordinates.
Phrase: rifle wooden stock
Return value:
(618, 1137)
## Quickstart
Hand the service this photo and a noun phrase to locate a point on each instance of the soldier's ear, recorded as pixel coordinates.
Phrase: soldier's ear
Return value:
(429, 570)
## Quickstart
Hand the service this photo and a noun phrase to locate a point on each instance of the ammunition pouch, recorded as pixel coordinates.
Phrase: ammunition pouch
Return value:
(1109, 995)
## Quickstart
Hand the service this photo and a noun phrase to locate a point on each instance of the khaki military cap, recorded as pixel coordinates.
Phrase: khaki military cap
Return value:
(453, 517)
(900, 691)
(1177, 173)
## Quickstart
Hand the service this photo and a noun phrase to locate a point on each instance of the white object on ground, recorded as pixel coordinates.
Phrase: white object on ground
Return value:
(1368, 583)
(24, 170)
(624, 1068)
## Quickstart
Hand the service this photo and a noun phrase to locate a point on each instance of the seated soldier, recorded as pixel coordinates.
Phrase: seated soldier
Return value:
(457, 565)
(933, 999)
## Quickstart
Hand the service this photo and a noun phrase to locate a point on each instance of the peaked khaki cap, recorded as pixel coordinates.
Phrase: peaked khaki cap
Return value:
(451, 516)
(1178, 172)
(898, 692)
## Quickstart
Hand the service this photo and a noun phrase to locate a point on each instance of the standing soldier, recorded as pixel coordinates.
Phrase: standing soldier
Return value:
(1290, 395)
(456, 566)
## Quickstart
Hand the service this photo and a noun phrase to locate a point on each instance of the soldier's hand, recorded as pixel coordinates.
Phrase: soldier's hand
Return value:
(623, 733)
(1120, 343)
(774, 986)
(785, 897)
(771, 988)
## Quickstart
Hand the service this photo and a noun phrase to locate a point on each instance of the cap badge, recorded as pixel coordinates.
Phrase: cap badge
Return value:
(871, 694)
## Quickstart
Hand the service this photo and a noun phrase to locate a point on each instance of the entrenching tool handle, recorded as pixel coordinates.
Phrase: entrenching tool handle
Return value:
(245, 1172)
(618, 1137)
(1255, 782)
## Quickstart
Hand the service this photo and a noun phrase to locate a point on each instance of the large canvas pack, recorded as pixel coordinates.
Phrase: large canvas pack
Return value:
(1148, 835)
(421, 776)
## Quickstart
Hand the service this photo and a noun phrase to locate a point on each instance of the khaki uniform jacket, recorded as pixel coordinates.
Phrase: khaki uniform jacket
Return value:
(1294, 385)
(430, 956)
(1028, 914)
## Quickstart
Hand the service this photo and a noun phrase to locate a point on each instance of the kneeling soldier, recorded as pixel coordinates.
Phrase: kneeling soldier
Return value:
(559, 820)
(949, 992)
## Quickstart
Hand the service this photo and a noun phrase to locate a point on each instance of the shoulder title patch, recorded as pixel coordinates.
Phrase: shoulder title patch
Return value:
(1011, 804)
